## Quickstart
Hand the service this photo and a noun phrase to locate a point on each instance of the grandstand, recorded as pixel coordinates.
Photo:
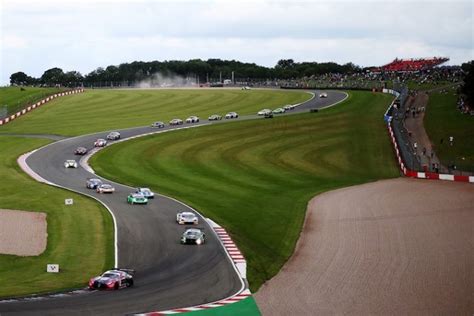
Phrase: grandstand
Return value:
(412, 64)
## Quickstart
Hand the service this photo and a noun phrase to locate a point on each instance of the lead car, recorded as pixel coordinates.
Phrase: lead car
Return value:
(113, 279)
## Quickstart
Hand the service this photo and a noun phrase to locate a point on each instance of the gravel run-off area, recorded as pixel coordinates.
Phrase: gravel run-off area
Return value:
(22, 233)
(392, 247)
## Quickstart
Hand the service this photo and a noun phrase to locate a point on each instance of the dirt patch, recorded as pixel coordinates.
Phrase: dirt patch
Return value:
(401, 246)
(22, 233)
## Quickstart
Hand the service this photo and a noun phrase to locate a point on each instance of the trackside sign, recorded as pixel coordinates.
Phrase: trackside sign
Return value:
(52, 268)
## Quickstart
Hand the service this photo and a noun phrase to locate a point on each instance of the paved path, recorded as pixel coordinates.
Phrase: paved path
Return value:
(425, 148)
(414, 124)
(393, 247)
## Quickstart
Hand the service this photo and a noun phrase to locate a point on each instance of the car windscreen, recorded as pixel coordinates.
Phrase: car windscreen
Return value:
(109, 275)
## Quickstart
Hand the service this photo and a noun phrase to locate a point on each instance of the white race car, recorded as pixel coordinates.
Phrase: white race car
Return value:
(70, 164)
(113, 136)
(146, 192)
(187, 218)
(158, 124)
(264, 111)
(105, 188)
(323, 95)
(215, 117)
(100, 142)
(176, 122)
(289, 107)
(192, 119)
(231, 115)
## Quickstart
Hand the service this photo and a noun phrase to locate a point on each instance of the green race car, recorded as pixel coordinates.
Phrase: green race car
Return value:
(136, 198)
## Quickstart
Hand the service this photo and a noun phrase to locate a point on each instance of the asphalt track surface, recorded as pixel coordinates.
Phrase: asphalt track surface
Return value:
(169, 275)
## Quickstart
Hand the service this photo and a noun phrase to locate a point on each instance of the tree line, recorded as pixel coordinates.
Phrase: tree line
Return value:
(211, 70)
(467, 89)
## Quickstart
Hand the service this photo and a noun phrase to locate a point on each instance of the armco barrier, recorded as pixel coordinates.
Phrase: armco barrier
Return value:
(36, 105)
(422, 175)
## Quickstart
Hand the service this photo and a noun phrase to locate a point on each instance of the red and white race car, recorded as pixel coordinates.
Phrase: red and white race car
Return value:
(100, 142)
(112, 279)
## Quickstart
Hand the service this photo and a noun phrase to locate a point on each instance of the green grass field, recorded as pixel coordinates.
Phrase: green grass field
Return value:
(442, 120)
(256, 177)
(247, 307)
(80, 237)
(15, 99)
(101, 110)
(415, 85)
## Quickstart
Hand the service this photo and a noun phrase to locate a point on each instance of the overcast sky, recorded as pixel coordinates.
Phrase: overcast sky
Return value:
(85, 34)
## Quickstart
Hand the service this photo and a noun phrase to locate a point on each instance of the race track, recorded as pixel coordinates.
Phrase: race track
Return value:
(169, 275)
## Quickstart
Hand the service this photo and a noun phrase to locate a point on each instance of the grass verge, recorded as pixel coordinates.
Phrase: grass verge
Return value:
(80, 236)
(100, 110)
(256, 177)
(17, 99)
(247, 307)
(443, 120)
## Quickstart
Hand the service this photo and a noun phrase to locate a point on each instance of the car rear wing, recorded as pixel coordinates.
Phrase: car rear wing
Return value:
(193, 227)
(129, 271)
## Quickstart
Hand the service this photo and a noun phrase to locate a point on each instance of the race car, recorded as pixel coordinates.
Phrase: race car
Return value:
(158, 124)
(246, 88)
(113, 279)
(105, 188)
(136, 198)
(176, 122)
(215, 117)
(268, 115)
(113, 136)
(193, 236)
(93, 183)
(323, 95)
(80, 151)
(278, 111)
(192, 119)
(70, 164)
(100, 142)
(264, 111)
(231, 115)
(146, 193)
(289, 107)
(187, 218)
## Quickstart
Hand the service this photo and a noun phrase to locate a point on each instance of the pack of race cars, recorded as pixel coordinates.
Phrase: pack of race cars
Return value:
(118, 278)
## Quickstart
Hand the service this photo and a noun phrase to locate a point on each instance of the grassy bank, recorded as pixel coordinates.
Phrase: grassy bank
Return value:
(100, 110)
(80, 236)
(443, 120)
(16, 99)
(256, 177)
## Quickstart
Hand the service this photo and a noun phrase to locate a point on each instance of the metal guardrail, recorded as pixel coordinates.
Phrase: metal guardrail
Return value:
(395, 116)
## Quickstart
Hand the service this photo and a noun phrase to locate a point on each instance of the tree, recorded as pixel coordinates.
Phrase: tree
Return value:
(20, 79)
(72, 79)
(53, 76)
(468, 86)
(285, 64)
